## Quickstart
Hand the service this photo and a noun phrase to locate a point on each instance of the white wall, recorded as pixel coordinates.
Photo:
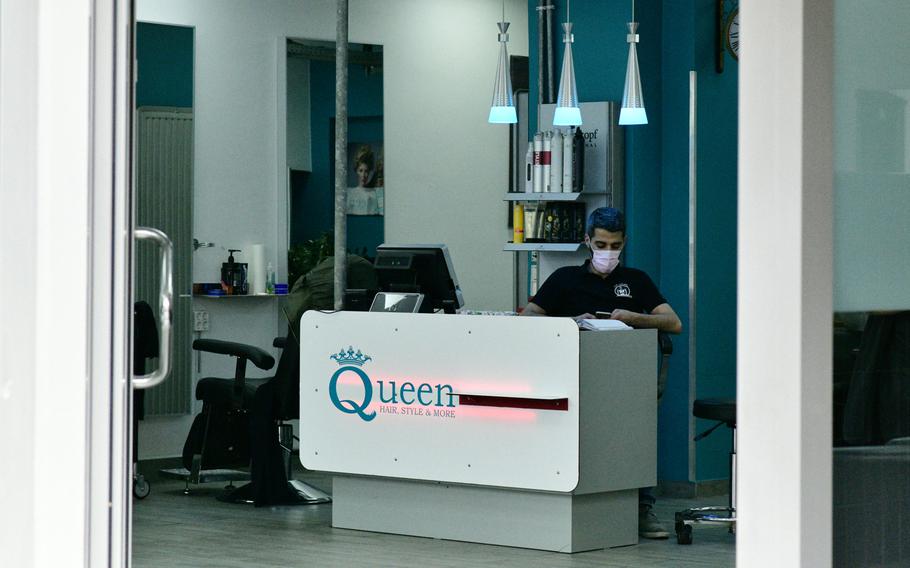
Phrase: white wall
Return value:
(446, 168)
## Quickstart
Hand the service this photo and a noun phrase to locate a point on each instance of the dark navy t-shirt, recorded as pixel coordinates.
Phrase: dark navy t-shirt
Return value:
(574, 290)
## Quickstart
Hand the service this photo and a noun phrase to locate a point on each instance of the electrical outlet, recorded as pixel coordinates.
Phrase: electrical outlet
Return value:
(200, 320)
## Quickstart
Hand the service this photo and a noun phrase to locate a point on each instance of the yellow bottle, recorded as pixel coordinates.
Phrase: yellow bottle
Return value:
(518, 223)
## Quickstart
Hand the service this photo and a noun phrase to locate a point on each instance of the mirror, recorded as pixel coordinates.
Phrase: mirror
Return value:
(310, 127)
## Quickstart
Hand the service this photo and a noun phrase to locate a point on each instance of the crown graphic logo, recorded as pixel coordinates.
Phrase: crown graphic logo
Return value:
(350, 357)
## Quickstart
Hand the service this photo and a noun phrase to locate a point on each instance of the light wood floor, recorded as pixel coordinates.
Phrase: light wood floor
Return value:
(173, 530)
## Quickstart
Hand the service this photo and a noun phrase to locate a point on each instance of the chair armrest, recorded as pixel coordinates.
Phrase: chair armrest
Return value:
(257, 356)
(280, 342)
(666, 344)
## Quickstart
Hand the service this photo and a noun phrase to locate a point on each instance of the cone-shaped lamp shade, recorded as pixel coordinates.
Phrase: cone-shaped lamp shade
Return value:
(567, 111)
(633, 104)
(502, 109)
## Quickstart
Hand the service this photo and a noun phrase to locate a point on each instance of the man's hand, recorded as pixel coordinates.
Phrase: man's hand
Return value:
(625, 316)
(584, 316)
(662, 318)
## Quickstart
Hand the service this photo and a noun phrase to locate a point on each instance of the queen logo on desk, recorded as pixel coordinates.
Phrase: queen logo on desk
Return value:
(352, 362)
(404, 399)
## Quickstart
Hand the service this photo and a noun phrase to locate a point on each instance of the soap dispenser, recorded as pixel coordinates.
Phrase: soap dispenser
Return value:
(233, 275)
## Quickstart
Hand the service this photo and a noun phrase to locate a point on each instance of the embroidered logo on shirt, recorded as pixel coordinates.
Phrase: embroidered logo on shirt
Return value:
(622, 291)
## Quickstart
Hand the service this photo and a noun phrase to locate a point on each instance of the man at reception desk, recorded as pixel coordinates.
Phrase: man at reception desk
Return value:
(601, 287)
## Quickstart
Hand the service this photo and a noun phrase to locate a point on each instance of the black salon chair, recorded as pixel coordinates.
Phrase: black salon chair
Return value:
(277, 402)
(665, 347)
(219, 439)
(724, 412)
(145, 347)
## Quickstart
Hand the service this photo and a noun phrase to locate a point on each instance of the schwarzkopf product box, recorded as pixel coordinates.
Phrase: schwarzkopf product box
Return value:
(604, 147)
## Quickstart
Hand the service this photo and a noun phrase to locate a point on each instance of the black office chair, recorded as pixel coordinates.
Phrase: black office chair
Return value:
(219, 441)
(724, 412)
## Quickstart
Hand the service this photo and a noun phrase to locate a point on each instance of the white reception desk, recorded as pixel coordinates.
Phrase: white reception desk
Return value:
(501, 430)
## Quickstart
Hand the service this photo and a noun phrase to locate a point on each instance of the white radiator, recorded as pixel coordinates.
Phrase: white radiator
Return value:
(164, 200)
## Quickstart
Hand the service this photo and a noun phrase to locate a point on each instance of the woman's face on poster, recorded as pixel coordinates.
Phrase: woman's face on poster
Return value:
(363, 175)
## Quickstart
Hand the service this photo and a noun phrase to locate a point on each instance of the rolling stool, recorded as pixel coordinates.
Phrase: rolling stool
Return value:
(724, 411)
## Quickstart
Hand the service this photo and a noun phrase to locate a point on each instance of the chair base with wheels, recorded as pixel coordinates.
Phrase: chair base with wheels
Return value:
(724, 412)
(305, 492)
(219, 437)
(297, 492)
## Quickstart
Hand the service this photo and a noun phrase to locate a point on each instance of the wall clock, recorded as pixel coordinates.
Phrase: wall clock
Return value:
(731, 33)
(727, 34)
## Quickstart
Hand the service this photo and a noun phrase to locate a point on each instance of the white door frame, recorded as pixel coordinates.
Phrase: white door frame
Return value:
(785, 283)
(65, 232)
(110, 504)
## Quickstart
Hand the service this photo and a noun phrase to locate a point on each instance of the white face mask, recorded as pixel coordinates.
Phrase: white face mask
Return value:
(605, 261)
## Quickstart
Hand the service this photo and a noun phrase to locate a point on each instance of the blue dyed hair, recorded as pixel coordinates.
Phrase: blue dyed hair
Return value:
(608, 219)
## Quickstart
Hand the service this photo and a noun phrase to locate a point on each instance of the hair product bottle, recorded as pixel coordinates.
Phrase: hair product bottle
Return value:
(567, 144)
(556, 161)
(546, 159)
(548, 223)
(556, 229)
(518, 223)
(538, 164)
(580, 220)
(578, 160)
(529, 168)
(530, 222)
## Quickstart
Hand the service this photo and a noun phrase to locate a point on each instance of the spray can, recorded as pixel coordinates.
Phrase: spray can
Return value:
(529, 168)
(556, 161)
(578, 160)
(567, 145)
(538, 165)
(518, 223)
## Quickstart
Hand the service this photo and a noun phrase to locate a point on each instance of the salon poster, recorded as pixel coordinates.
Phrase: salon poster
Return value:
(366, 195)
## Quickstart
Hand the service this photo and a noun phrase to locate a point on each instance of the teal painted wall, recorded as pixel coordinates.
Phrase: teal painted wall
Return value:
(164, 58)
(677, 57)
(675, 37)
(716, 236)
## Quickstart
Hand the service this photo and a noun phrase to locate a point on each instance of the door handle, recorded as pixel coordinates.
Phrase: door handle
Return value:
(165, 308)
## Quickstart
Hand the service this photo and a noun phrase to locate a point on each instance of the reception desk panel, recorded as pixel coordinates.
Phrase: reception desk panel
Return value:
(381, 395)
(618, 397)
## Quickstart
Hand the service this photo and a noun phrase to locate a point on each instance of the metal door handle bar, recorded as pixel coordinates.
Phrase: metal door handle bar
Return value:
(165, 308)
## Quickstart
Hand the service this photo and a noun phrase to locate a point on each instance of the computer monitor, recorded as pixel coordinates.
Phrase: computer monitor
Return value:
(426, 269)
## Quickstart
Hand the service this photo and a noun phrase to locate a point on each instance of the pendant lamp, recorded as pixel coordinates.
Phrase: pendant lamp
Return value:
(633, 104)
(502, 110)
(567, 111)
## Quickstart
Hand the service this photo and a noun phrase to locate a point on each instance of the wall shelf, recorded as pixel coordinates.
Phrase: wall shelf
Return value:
(551, 247)
(240, 296)
(552, 196)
